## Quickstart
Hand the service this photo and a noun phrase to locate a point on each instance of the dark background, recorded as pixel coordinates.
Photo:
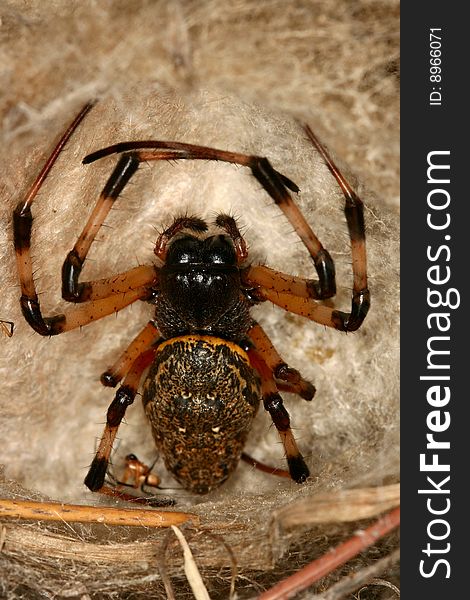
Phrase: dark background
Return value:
(424, 129)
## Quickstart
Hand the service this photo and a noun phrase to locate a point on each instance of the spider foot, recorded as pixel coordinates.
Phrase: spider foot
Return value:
(297, 468)
(96, 474)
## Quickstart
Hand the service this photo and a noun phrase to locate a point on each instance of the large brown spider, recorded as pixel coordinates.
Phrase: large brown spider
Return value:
(210, 362)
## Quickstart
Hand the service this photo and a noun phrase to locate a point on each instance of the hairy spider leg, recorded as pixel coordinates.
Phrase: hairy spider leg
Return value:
(274, 404)
(107, 295)
(292, 293)
(354, 212)
(149, 334)
(278, 281)
(22, 226)
(299, 296)
(287, 379)
(141, 276)
(305, 307)
(275, 184)
(72, 289)
(124, 397)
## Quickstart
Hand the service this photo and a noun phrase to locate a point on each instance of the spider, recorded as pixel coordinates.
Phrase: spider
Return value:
(209, 362)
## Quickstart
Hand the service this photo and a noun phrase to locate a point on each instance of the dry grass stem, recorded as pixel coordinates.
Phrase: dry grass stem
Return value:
(339, 506)
(73, 513)
(190, 568)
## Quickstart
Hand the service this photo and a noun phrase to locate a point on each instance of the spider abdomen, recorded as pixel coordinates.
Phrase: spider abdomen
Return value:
(201, 396)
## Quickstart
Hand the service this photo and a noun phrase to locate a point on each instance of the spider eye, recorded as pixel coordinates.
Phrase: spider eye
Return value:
(219, 250)
(185, 250)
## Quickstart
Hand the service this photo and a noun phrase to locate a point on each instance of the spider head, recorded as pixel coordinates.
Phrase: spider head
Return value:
(200, 279)
(214, 251)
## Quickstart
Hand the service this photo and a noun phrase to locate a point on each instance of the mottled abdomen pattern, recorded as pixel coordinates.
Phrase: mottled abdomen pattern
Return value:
(201, 396)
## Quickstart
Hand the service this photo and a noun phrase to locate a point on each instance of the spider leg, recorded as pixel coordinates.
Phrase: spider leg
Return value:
(260, 275)
(294, 293)
(354, 212)
(286, 378)
(317, 312)
(264, 468)
(78, 316)
(22, 226)
(278, 186)
(72, 289)
(106, 295)
(112, 376)
(124, 397)
(144, 275)
(312, 310)
(273, 403)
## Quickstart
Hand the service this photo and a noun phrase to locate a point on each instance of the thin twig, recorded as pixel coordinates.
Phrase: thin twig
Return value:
(333, 559)
(74, 513)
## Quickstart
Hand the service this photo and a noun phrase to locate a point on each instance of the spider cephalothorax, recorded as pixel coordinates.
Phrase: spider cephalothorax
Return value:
(209, 362)
(199, 285)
